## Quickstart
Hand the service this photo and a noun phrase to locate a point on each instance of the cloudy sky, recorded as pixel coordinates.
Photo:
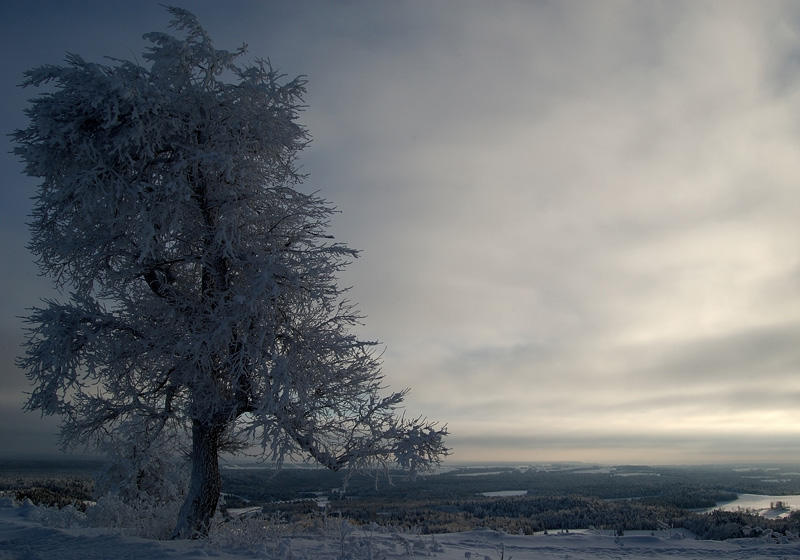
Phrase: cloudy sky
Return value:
(580, 221)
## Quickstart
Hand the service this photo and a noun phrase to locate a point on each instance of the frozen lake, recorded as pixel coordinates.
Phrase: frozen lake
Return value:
(761, 504)
(505, 493)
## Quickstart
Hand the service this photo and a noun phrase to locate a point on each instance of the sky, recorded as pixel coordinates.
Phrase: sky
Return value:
(578, 220)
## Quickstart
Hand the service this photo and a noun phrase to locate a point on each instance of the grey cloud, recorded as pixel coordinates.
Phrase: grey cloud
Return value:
(767, 355)
(21, 433)
(649, 449)
(26, 433)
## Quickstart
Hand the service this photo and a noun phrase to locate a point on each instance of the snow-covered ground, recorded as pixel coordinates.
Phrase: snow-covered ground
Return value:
(23, 536)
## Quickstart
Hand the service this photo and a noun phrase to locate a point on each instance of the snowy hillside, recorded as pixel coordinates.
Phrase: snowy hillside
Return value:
(23, 535)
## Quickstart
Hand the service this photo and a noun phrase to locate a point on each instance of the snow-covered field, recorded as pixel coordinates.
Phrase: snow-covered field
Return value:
(23, 536)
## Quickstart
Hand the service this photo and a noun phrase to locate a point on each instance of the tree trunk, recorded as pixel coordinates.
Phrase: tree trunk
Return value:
(205, 486)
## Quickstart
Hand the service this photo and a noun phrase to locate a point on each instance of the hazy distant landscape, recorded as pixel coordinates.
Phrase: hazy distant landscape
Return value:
(535, 510)
(531, 498)
(515, 498)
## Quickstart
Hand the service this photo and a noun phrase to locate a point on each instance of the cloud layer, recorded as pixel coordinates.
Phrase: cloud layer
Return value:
(578, 221)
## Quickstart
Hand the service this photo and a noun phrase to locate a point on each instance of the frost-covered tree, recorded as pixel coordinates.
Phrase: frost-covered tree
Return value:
(199, 290)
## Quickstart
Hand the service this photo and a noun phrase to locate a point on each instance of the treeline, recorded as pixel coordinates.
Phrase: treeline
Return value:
(535, 514)
(563, 500)
(689, 487)
(267, 485)
(617, 500)
(54, 492)
(691, 498)
(517, 515)
(51, 483)
(723, 525)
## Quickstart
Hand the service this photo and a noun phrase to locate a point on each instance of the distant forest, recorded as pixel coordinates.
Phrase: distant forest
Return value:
(557, 498)
(554, 498)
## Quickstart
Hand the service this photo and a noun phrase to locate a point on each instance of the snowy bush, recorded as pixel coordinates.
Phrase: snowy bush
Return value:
(67, 517)
(254, 532)
(142, 518)
(334, 537)
(140, 491)
(143, 473)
